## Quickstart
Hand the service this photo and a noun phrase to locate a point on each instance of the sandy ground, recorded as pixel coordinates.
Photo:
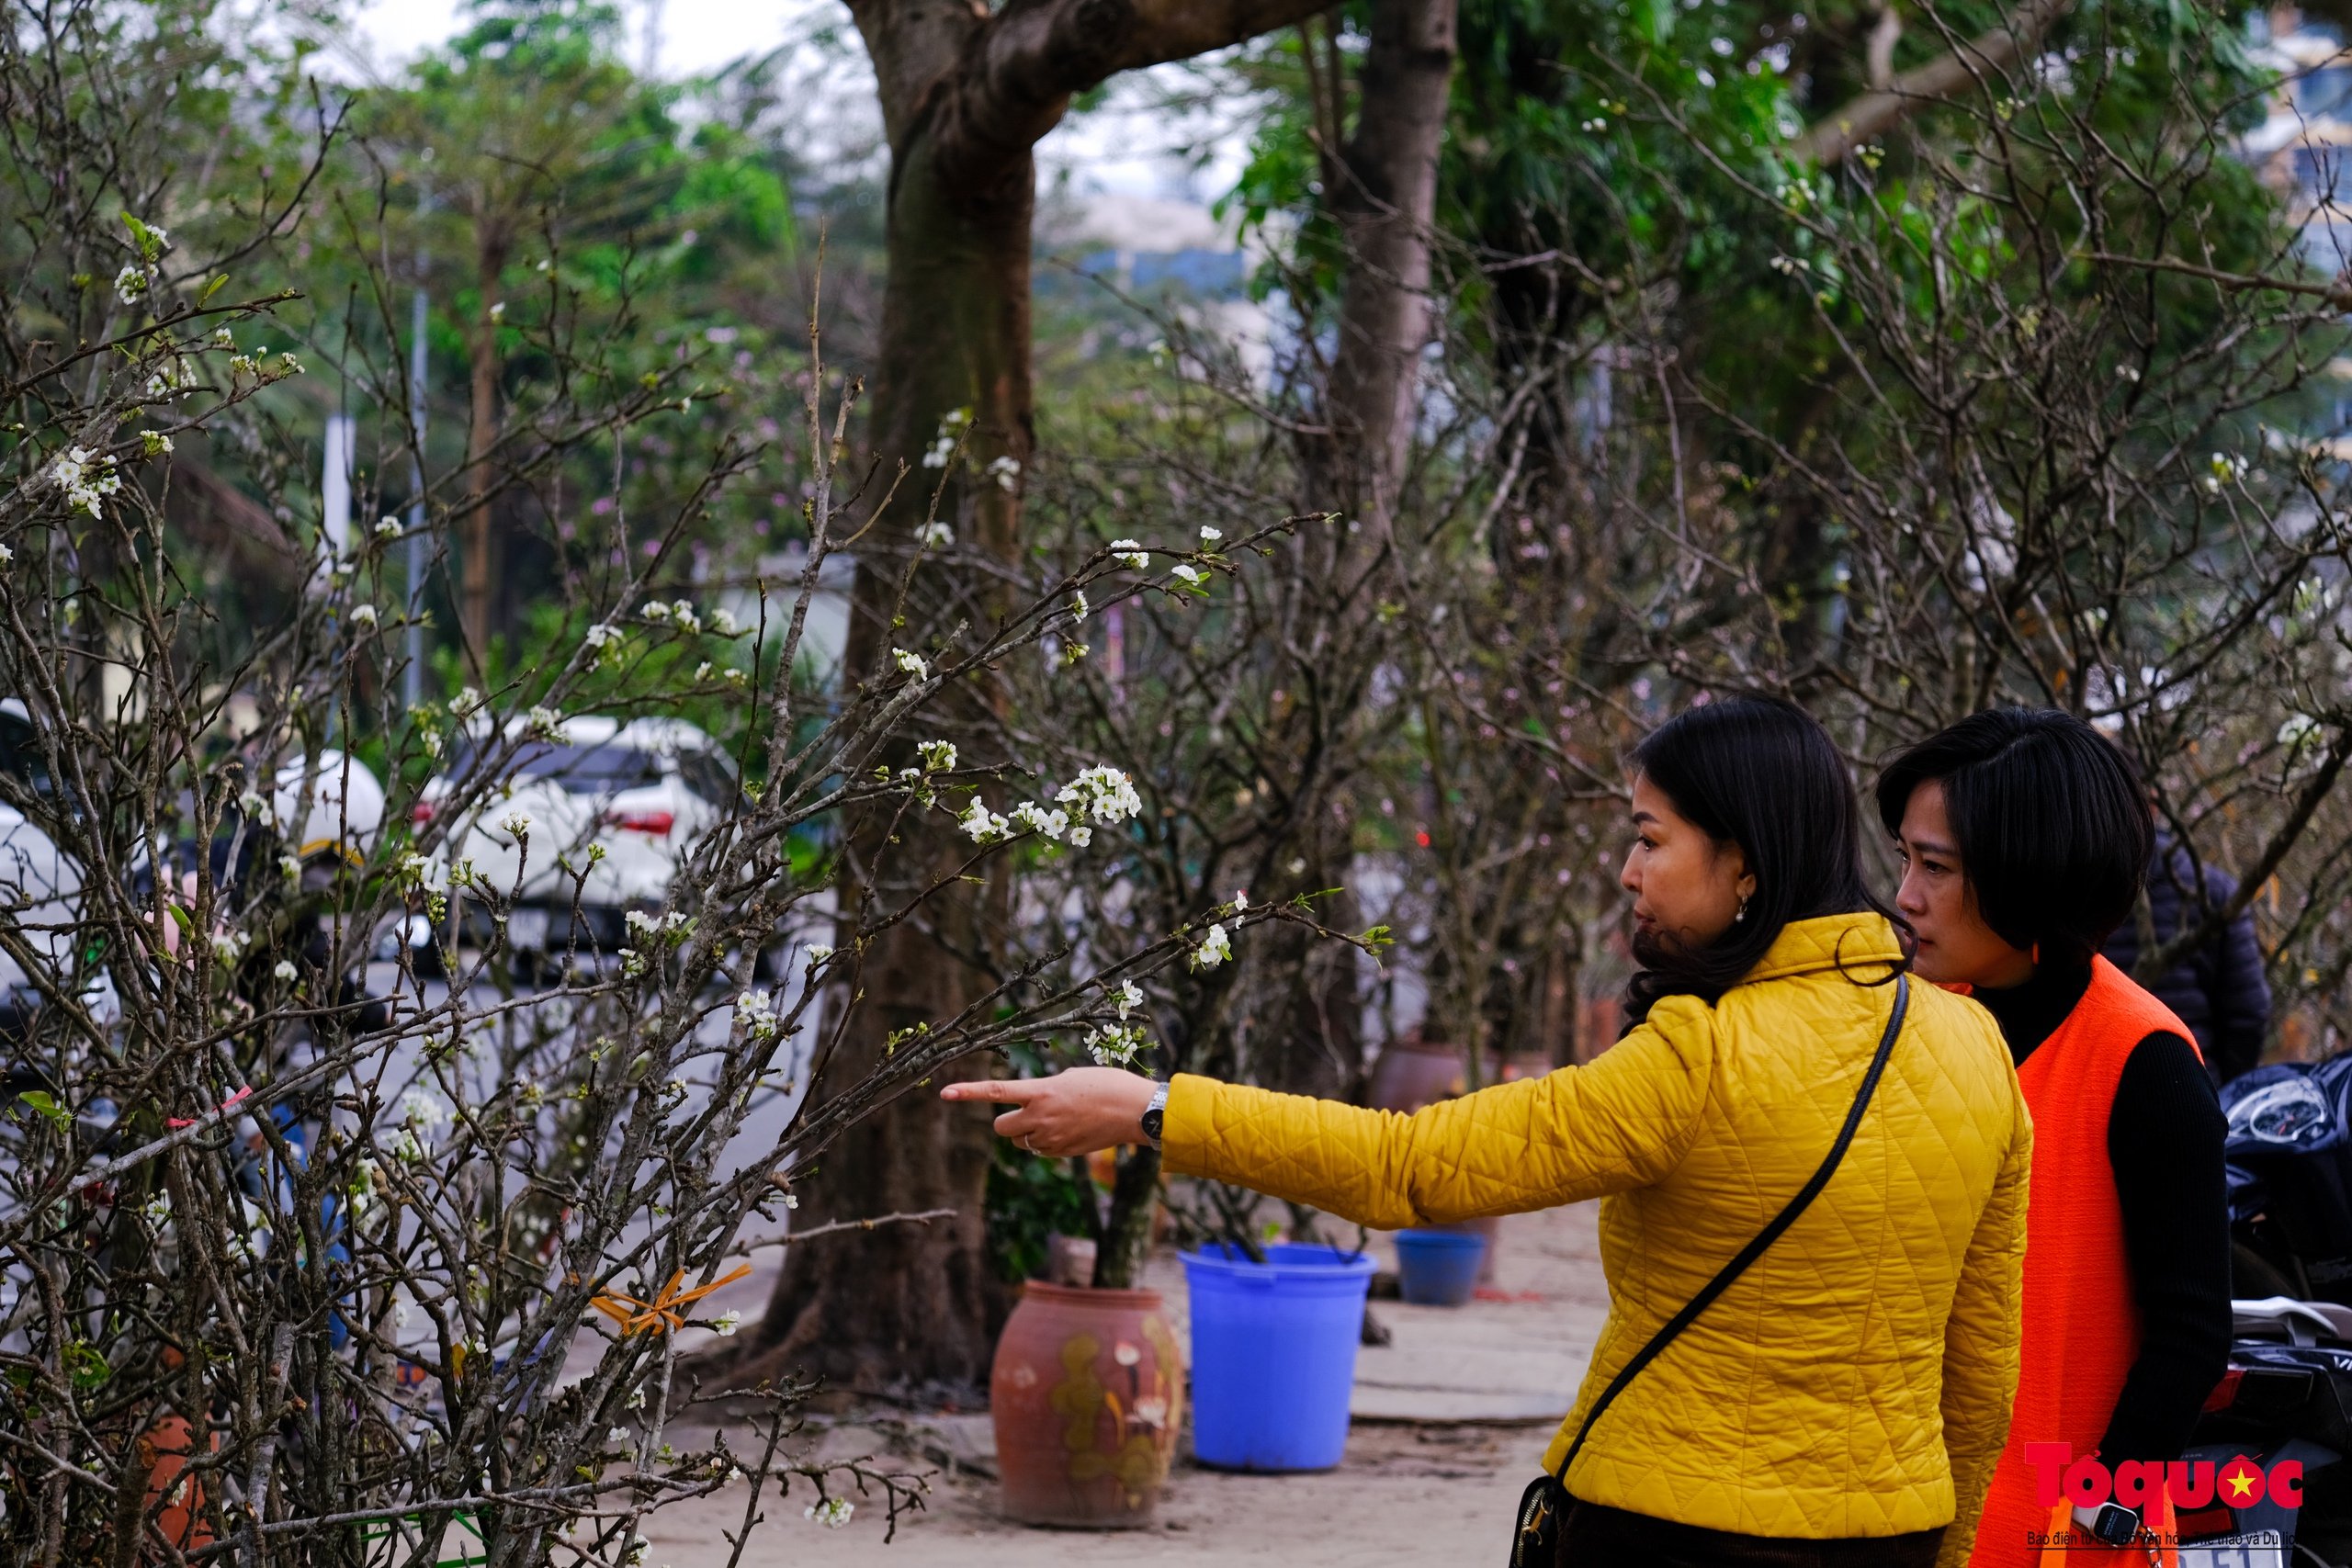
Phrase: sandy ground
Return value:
(1451, 1421)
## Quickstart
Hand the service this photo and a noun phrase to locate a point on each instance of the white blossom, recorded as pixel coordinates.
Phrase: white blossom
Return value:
(1079, 607)
(2225, 469)
(656, 612)
(984, 826)
(1081, 836)
(1116, 1045)
(1104, 795)
(1006, 471)
(388, 527)
(1216, 948)
(1211, 535)
(757, 1010)
(726, 1323)
(934, 536)
(912, 663)
(172, 378)
(1240, 898)
(466, 702)
(1131, 553)
(1188, 575)
(363, 616)
(130, 283)
(820, 951)
(1127, 997)
(285, 970)
(830, 1512)
(421, 1117)
(938, 756)
(1053, 824)
(723, 622)
(86, 478)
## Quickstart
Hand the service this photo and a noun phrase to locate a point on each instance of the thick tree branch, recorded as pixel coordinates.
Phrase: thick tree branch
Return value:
(1875, 113)
(1020, 70)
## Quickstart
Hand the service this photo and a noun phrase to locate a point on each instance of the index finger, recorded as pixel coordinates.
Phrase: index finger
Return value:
(1002, 1092)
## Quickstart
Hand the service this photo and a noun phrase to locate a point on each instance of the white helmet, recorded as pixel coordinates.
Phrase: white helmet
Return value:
(331, 803)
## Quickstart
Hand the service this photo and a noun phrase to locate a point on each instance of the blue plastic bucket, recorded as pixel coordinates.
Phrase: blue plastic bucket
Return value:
(1274, 1354)
(1439, 1267)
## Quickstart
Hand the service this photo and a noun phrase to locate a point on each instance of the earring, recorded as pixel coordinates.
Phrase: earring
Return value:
(1741, 914)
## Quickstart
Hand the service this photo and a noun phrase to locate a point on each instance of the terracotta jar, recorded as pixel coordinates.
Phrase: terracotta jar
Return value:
(1087, 1394)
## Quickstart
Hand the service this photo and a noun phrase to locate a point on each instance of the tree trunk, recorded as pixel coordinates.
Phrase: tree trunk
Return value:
(966, 92)
(1388, 207)
(481, 434)
(917, 1304)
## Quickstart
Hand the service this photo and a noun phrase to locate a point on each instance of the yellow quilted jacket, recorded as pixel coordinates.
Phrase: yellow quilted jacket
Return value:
(1857, 1380)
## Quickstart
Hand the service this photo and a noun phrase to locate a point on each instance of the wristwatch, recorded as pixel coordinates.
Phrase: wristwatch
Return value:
(1155, 1115)
(2110, 1523)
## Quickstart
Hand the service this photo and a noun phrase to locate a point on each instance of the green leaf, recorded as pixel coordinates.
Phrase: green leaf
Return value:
(46, 1103)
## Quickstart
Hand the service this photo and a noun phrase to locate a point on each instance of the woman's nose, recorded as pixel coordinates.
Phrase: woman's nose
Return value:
(1626, 878)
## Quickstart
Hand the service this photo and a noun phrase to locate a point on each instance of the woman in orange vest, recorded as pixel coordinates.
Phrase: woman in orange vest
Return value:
(2024, 837)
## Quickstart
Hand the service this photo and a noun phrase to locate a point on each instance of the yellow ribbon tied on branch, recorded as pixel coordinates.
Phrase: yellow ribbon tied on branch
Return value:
(666, 1311)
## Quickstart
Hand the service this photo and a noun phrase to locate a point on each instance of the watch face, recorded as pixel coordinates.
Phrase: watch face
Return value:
(1151, 1121)
(2116, 1524)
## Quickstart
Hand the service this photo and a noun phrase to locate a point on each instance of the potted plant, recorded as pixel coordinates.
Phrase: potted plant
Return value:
(1087, 1390)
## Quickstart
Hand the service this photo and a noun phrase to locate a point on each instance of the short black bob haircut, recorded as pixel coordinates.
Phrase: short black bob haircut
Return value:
(1759, 772)
(2053, 828)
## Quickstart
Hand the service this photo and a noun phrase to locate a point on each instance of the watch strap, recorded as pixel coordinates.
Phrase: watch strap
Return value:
(1155, 1115)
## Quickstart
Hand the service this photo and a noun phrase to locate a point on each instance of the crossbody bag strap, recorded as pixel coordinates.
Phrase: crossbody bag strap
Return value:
(1763, 1238)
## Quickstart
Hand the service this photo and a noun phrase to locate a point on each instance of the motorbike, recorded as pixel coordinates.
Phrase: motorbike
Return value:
(2288, 1392)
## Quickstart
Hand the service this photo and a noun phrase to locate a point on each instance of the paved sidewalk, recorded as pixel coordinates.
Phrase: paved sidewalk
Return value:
(1451, 1421)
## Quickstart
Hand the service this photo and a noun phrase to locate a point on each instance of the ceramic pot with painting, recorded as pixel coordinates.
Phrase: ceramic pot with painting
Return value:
(1087, 1395)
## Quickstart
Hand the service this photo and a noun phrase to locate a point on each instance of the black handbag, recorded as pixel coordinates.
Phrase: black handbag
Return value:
(1535, 1541)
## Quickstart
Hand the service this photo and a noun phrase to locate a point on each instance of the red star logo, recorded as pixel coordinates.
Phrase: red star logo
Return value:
(2238, 1481)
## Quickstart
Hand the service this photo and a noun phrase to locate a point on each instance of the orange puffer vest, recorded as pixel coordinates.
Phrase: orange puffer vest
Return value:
(2081, 1325)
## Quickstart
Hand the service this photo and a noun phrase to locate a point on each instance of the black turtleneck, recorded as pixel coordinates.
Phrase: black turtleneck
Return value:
(2164, 1140)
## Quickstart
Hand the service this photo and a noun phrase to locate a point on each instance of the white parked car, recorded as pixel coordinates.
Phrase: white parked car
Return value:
(40, 885)
(642, 791)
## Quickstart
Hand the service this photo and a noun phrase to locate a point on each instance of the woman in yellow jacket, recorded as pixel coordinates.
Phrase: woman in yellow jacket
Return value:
(1844, 1400)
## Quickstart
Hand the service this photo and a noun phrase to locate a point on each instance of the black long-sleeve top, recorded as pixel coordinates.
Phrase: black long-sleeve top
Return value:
(2164, 1143)
(2219, 990)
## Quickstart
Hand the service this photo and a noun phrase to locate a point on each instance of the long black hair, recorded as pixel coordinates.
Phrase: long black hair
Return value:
(1759, 772)
(2055, 831)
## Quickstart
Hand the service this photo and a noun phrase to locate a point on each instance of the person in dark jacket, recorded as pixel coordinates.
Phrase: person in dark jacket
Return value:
(2218, 988)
